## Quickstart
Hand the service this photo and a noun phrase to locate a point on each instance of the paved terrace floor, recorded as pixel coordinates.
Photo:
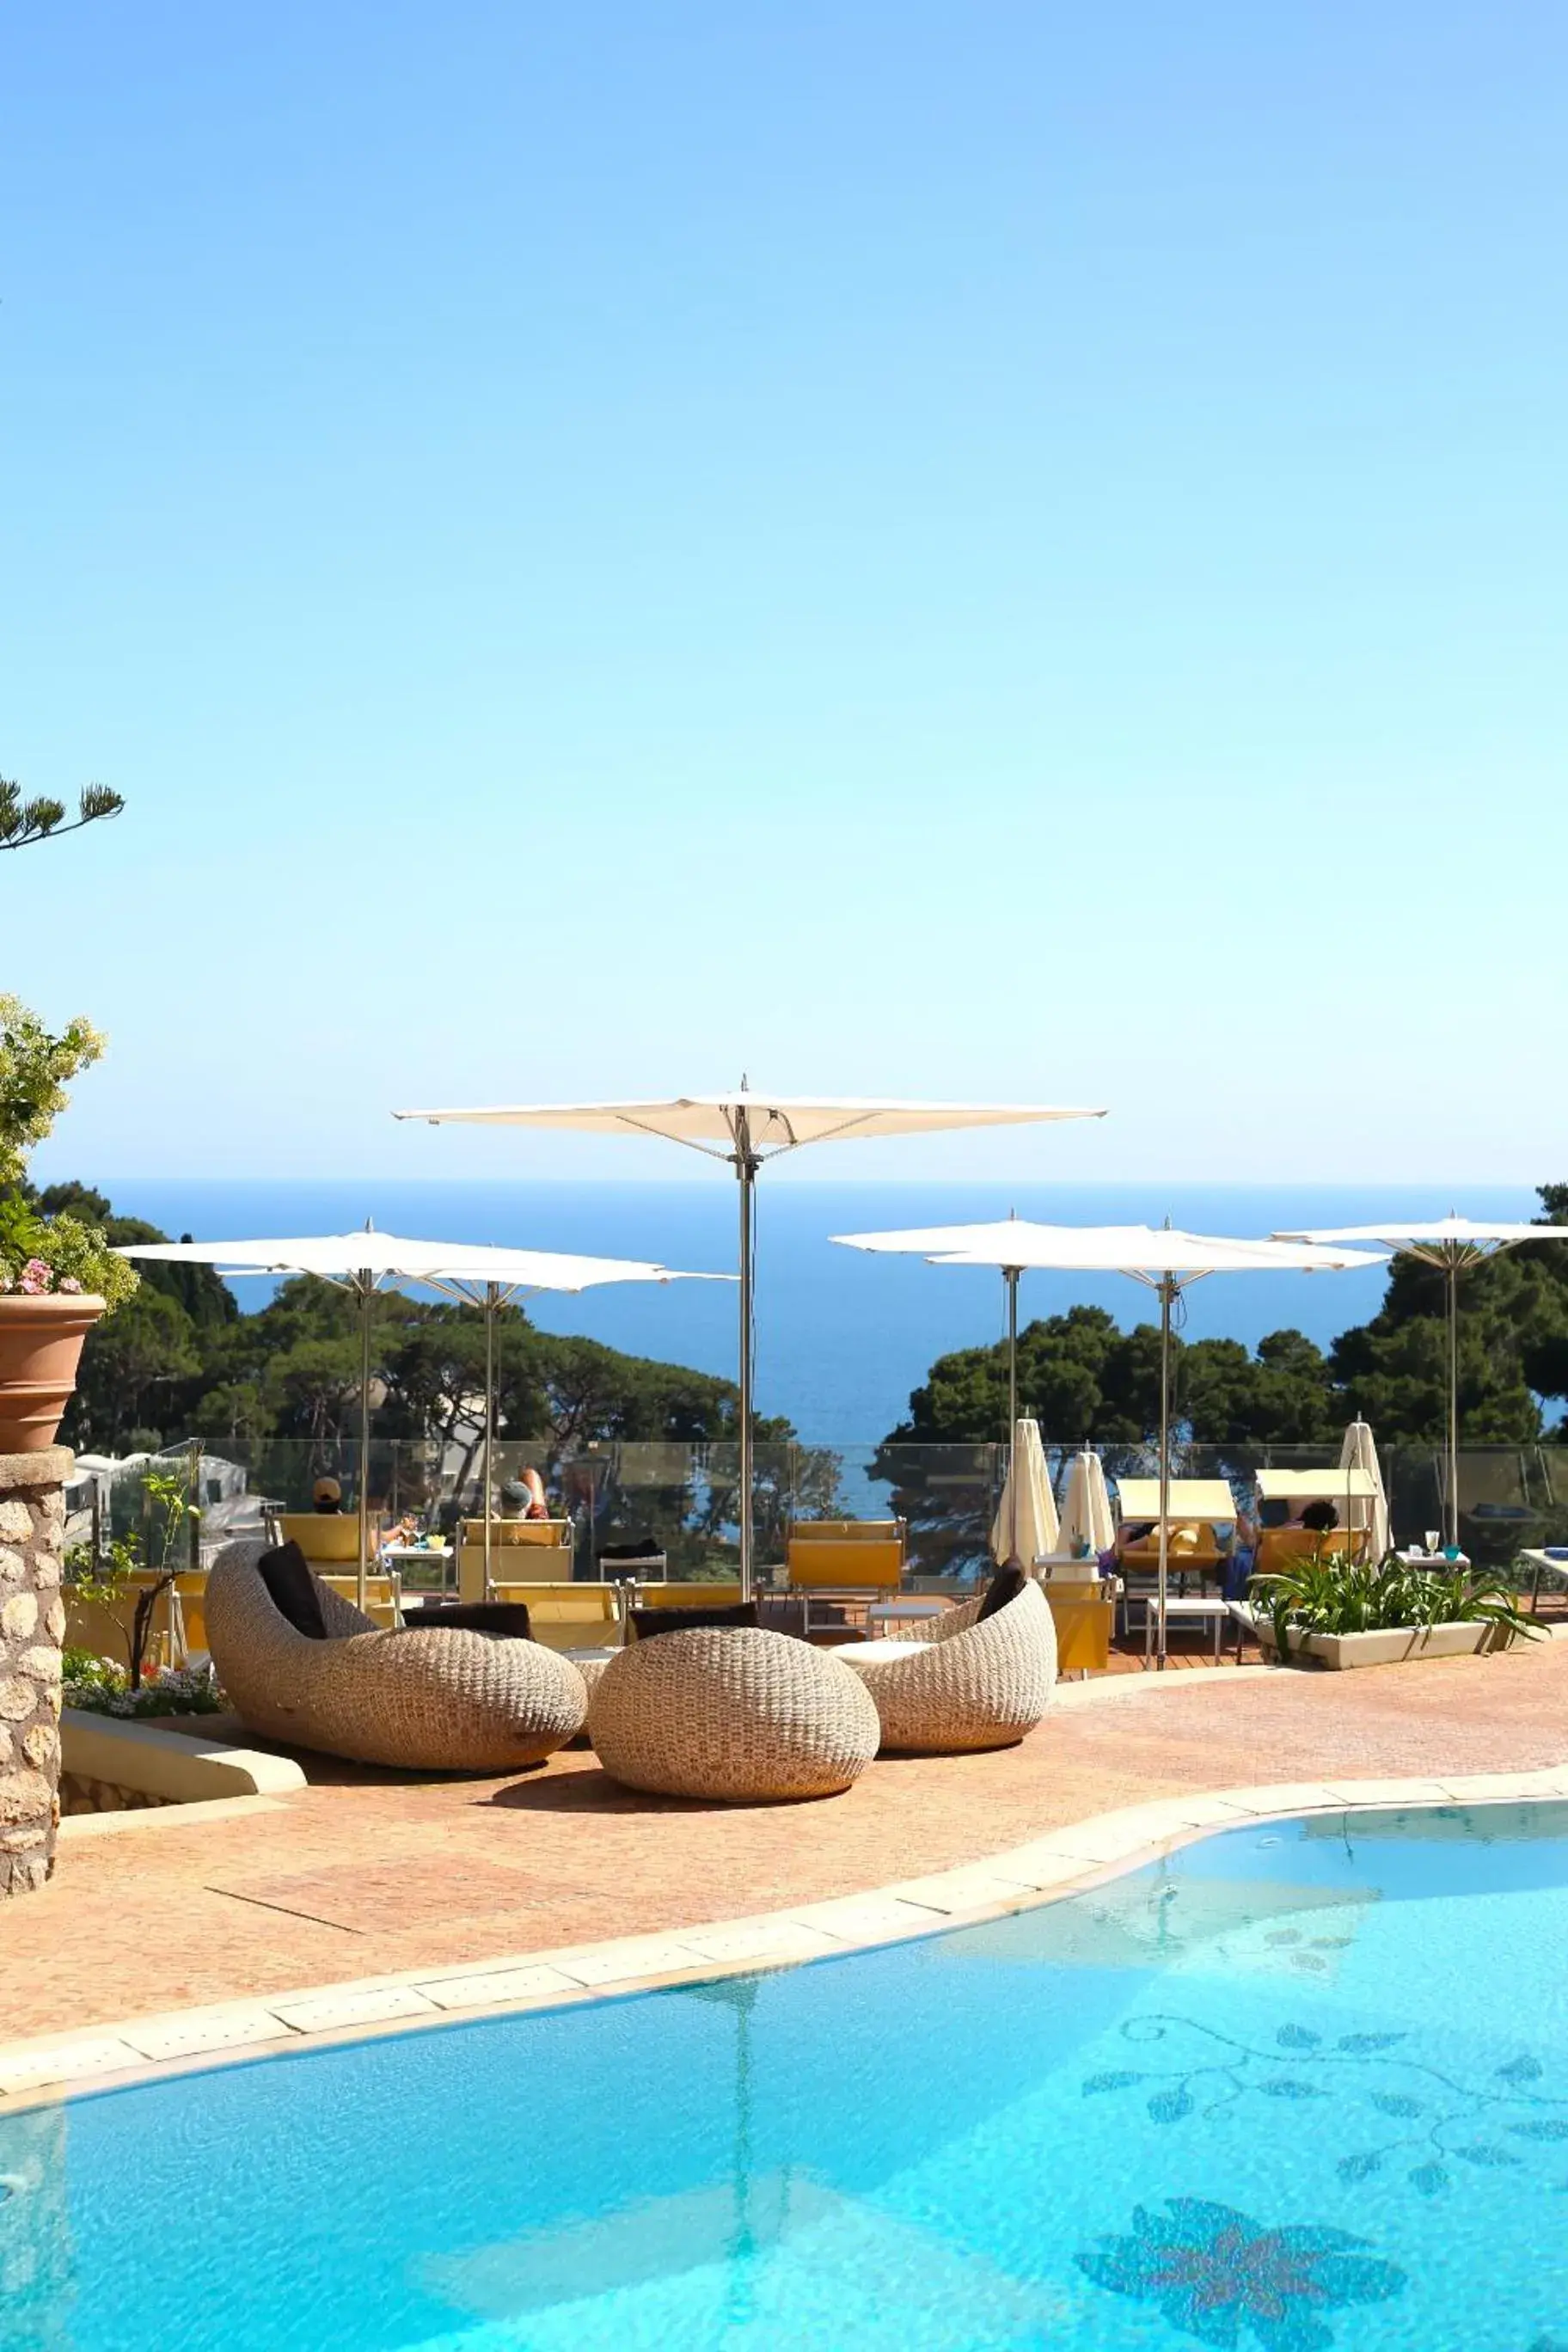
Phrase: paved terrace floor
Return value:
(364, 1874)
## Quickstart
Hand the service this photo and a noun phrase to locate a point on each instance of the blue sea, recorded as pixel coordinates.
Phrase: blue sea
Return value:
(842, 1337)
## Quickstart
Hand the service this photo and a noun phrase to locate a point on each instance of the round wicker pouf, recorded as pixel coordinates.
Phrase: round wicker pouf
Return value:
(732, 1713)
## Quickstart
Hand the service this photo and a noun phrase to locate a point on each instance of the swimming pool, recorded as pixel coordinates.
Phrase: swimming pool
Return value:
(1302, 2084)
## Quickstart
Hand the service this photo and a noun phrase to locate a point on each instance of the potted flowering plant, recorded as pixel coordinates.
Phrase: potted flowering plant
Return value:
(57, 1275)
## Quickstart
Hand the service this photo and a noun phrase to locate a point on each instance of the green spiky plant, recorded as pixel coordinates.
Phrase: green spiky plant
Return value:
(1327, 1593)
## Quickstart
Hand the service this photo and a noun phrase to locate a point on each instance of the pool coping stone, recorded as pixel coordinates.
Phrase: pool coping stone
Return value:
(50, 2068)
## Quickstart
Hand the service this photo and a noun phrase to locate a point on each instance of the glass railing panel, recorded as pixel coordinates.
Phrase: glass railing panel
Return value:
(682, 1498)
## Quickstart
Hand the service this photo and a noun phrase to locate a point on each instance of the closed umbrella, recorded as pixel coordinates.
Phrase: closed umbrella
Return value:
(364, 1263)
(1025, 1521)
(745, 1129)
(1167, 1262)
(1359, 1452)
(1454, 1245)
(1085, 1505)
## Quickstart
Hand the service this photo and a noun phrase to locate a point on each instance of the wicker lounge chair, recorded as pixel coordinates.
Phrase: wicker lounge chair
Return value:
(733, 1714)
(962, 1682)
(437, 1700)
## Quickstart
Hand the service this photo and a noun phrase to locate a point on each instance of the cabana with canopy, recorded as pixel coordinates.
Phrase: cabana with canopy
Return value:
(364, 1263)
(1283, 1495)
(1165, 1260)
(1452, 1243)
(746, 1129)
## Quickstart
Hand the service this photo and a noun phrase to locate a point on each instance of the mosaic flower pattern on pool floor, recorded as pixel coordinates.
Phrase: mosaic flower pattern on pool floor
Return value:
(1215, 2272)
(1411, 2116)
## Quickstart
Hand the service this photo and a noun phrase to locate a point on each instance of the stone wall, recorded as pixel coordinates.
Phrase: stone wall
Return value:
(78, 1794)
(32, 1626)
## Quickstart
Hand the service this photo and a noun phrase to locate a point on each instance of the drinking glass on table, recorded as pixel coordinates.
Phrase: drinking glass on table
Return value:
(1434, 1538)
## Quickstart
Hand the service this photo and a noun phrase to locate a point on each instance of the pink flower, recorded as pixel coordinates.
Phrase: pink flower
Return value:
(68, 1282)
(37, 1279)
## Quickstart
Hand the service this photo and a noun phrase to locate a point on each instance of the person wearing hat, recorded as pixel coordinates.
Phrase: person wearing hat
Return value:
(327, 1496)
(514, 1499)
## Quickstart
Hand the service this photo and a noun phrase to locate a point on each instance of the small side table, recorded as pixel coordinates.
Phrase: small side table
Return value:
(899, 1613)
(1188, 1606)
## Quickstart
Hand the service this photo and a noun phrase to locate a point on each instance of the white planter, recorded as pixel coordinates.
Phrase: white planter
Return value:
(1397, 1646)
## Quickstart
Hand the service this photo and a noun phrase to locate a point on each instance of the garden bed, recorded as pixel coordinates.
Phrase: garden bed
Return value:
(1392, 1646)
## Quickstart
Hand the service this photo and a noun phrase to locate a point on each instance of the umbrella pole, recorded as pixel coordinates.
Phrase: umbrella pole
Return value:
(366, 1284)
(1010, 1276)
(1167, 1287)
(746, 1170)
(1453, 1403)
(490, 1300)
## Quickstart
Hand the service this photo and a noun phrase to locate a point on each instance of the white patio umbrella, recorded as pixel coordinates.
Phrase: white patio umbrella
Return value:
(989, 1245)
(1086, 1504)
(1165, 1260)
(747, 1129)
(364, 1263)
(1026, 1522)
(1359, 1452)
(1453, 1244)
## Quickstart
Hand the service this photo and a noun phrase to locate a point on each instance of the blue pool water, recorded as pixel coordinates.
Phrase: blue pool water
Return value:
(1302, 2085)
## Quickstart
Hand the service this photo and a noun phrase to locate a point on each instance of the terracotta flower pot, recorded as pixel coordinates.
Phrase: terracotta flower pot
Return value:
(40, 1347)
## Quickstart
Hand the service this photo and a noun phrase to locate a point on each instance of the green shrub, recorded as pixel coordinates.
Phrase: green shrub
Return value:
(98, 1686)
(40, 1257)
(1334, 1595)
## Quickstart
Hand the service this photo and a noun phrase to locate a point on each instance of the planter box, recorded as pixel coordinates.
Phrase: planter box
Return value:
(1397, 1646)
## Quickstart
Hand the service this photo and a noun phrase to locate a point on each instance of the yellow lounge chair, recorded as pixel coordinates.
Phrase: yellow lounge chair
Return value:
(553, 1537)
(843, 1563)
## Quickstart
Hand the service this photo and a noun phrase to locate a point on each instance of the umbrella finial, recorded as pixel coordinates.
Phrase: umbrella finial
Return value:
(746, 1083)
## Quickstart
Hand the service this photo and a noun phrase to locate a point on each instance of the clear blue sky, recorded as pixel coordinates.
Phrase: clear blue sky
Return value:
(1011, 552)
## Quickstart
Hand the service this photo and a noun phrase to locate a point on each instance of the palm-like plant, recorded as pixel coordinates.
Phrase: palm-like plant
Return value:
(1331, 1594)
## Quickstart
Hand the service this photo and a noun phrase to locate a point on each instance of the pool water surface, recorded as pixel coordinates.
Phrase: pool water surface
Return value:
(1303, 2084)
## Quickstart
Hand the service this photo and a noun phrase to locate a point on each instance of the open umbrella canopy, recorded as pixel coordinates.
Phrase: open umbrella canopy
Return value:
(747, 1129)
(1438, 1241)
(758, 1122)
(1148, 1253)
(1454, 1243)
(365, 1262)
(1163, 1256)
(382, 1258)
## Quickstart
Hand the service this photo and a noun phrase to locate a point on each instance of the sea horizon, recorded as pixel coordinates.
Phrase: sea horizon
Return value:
(843, 1337)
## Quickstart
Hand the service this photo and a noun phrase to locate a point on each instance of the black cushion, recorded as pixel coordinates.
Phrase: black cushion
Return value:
(646, 1622)
(295, 1593)
(644, 1548)
(1321, 1518)
(1004, 1586)
(507, 1619)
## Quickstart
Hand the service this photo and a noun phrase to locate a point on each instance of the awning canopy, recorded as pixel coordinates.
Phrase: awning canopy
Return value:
(1189, 1498)
(1330, 1485)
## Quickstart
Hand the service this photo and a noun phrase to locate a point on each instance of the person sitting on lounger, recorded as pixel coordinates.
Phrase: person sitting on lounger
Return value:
(327, 1496)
